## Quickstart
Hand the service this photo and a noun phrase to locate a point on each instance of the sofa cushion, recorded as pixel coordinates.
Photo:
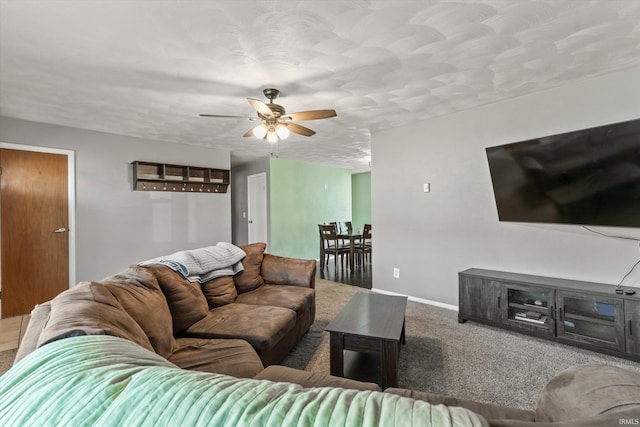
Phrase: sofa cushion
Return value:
(288, 271)
(223, 356)
(250, 278)
(219, 291)
(589, 390)
(137, 289)
(292, 297)
(89, 308)
(185, 299)
(261, 325)
(309, 379)
(487, 410)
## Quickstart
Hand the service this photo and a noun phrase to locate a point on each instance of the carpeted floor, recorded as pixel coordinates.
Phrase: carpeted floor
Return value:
(467, 360)
(6, 360)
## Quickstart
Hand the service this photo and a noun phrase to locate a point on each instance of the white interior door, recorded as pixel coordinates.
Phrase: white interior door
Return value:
(257, 208)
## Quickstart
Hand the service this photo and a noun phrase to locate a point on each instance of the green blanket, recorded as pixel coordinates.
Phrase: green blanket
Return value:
(109, 381)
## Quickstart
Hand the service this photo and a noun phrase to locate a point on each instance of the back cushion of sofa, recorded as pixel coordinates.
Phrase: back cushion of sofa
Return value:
(137, 289)
(89, 308)
(219, 291)
(588, 390)
(250, 278)
(185, 299)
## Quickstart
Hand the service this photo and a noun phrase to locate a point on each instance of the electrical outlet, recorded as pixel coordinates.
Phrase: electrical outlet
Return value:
(396, 273)
(426, 187)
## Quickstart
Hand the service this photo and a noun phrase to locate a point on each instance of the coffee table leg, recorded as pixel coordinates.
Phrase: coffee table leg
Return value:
(336, 349)
(389, 364)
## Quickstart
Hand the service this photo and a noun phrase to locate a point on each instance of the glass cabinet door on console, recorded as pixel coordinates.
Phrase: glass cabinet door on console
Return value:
(632, 326)
(591, 319)
(529, 308)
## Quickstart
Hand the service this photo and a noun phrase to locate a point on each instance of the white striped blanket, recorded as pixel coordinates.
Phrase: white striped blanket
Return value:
(204, 264)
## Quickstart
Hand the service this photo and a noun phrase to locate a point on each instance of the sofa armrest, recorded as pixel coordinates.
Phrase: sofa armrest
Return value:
(309, 379)
(37, 322)
(628, 417)
(486, 410)
(278, 270)
(588, 391)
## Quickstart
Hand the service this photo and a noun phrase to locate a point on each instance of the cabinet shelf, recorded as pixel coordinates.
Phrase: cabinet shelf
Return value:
(537, 308)
(149, 176)
(540, 324)
(608, 322)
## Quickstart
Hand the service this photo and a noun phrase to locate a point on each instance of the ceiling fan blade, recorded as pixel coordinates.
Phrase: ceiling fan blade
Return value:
(261, 107)
(311, 115)
(228, 117)
(249, 132)
(300, 130)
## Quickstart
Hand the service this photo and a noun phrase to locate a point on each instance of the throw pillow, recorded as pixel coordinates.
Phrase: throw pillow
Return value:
(138, 292)
(186, 300)
(219, 291)
(250, 278)
(89, 308)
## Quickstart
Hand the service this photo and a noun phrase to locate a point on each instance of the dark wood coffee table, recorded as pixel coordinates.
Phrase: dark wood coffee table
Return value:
(369, 323)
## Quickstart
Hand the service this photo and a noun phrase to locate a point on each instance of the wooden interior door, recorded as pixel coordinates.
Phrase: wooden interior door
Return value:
(257, 208)
(34, 223)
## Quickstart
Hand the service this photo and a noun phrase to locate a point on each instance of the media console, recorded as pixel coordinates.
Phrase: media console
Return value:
(585, 314)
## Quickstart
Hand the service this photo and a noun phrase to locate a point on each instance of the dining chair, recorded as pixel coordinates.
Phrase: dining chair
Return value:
(364, 247)
(330, 245)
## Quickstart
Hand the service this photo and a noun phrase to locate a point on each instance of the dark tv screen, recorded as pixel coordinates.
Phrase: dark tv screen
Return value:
(587, 177)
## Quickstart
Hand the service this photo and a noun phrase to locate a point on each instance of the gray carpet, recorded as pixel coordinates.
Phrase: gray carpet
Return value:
(6, 360)
(467, 360)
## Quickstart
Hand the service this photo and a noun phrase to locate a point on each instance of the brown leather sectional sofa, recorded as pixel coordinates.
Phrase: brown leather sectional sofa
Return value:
(234, 325)
(238, 325)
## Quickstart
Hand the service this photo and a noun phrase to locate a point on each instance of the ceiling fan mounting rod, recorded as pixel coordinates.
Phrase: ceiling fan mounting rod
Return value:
(271, 93)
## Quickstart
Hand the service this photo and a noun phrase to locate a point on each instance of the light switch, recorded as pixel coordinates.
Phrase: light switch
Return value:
(427, 187)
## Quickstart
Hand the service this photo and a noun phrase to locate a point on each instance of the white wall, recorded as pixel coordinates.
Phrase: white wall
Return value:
(432, 236)
(115, 226)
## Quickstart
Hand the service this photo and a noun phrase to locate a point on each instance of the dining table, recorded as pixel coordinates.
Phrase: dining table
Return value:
(353, 237)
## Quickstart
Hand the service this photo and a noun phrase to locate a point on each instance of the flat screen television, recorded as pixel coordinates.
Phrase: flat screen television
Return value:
(587, 177)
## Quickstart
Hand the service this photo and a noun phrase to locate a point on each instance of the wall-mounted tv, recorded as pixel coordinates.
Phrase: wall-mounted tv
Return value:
(588, 177)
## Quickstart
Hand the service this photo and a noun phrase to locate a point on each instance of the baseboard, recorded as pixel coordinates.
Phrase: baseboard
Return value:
(418, 300)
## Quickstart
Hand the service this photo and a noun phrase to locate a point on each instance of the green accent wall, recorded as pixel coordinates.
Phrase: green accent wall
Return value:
(361, 199)
(304, 195)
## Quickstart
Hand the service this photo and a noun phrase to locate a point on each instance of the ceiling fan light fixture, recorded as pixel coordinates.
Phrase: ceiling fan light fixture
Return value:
(260, 131)
(274, 123)
(282, 131)
(272, 137)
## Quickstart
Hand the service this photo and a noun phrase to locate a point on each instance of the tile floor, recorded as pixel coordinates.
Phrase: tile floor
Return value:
(11, 331)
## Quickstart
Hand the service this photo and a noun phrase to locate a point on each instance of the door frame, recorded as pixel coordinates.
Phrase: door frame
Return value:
(71, 173)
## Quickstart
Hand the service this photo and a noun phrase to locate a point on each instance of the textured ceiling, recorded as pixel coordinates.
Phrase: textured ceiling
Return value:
(148, 68)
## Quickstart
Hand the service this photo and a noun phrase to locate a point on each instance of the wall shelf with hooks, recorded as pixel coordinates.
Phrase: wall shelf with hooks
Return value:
(149, 176)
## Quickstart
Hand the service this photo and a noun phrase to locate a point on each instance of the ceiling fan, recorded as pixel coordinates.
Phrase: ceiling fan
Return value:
(275, 123)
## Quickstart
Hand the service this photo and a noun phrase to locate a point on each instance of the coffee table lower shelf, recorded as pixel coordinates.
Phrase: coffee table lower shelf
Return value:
(371, 324)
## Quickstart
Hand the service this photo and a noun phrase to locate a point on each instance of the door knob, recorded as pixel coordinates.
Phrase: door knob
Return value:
(60, 230)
